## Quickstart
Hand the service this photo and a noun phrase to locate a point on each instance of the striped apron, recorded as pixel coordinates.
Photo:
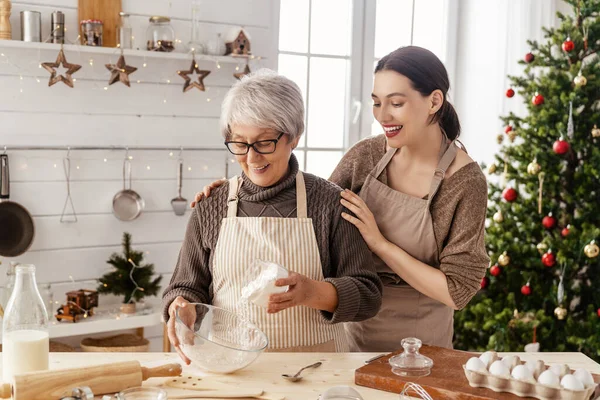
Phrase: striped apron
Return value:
(289, 242)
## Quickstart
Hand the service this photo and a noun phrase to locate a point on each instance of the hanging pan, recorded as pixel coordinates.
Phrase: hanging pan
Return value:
(16, 225)
(127, 204)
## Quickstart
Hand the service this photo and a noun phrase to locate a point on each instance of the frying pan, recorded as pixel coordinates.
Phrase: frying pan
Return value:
(127, 203)
(16, 225)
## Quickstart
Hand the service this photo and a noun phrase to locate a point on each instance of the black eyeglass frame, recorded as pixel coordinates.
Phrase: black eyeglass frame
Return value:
(248, 145)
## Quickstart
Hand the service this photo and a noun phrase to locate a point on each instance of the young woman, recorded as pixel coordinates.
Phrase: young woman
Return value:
(419, 202)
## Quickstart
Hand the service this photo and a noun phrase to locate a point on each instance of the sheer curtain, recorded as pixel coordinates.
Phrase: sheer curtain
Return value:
(491, 39)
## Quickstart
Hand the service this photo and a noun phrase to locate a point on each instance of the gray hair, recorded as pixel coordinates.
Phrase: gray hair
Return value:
(264, 99)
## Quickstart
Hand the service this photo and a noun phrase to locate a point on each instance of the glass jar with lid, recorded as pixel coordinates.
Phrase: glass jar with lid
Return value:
(160, 34)
(91, 32)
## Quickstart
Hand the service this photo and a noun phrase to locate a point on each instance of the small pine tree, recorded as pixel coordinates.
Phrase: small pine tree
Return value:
(545, 284)
(119, 281)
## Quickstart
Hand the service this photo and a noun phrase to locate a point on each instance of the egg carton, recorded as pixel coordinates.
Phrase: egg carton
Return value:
(526, 388)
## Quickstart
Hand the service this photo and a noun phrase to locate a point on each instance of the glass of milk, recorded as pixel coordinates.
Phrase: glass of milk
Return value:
(25, 339)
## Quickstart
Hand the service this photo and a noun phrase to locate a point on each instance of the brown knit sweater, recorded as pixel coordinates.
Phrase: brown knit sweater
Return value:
(345, 257)
(458, 213)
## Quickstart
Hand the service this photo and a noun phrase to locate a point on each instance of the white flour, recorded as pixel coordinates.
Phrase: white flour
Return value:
(263, 275)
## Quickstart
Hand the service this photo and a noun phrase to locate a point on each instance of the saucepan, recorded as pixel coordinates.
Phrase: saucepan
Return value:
(127, 203)
(16, 225)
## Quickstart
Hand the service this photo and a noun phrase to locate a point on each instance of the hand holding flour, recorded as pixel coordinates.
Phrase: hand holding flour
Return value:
(302, 292)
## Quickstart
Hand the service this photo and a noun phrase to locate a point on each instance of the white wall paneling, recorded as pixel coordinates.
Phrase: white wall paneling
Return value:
(152, 113)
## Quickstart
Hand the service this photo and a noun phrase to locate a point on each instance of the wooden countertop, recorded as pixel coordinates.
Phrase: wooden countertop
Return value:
(265, 373)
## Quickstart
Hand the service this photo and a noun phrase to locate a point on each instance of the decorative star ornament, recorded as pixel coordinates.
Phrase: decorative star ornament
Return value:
(61, 60)
(189, 83)
(245, 72)
(120, 71)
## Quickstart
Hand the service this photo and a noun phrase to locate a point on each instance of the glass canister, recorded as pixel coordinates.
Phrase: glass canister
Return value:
(160, 34)
(91, 32)
(25, 338)
(124, 32)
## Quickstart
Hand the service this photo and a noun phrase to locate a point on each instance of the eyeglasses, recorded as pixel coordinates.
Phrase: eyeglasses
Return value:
(261, 147)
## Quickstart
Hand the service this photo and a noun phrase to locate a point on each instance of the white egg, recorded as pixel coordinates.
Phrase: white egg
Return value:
(531, 366)
(498, 368)
(510, 361)
(549, 378)
(475, 364)
(487, 357)
(570, 382)
(584, 376)
(560, 370)
(522, 373)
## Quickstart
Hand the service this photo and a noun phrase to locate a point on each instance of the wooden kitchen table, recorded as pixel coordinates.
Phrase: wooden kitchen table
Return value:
(265, 373)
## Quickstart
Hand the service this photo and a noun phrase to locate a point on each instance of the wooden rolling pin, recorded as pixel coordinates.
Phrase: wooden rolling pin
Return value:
(101, 379)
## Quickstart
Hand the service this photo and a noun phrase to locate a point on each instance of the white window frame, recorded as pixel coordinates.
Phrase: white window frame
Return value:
(359, 88)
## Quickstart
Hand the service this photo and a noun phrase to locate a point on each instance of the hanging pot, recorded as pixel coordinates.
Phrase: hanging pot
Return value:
(18, 230)
(127, 204)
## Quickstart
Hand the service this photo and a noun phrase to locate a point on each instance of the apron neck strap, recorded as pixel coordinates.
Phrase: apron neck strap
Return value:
(440, 171)
(233, 199)
(301, 209)
(382, 164)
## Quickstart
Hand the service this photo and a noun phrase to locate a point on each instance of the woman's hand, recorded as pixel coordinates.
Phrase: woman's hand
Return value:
(303, 291)
(206, 191)
(364, 220)
(187, 314)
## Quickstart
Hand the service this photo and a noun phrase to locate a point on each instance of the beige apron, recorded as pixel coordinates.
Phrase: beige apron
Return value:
(290, 242)
(405, 221)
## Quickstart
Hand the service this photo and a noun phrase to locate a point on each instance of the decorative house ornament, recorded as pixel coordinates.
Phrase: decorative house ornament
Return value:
(237, 43)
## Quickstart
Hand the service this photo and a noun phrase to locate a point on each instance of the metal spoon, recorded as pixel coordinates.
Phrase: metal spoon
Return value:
(179, 203)
(297, 377)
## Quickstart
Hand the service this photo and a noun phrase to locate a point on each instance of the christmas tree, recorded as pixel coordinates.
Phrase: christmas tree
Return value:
(543, 227)
(129, 278)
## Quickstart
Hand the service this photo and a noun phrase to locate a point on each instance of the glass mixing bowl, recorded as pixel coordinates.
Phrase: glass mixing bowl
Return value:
(217, 340)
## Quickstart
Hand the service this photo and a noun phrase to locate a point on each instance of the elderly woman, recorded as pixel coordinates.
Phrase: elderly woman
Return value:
(276, 213)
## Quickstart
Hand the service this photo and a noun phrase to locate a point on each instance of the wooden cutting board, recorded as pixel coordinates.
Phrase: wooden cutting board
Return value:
(106, 11)
(446, 381)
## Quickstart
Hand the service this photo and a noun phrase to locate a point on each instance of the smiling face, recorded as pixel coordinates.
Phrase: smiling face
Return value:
(403, 112)
(263, 169)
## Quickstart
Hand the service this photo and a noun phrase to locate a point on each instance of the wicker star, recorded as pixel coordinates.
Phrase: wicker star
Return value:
(71, 69)
(246, 71)
(120, 71)
(189, 84)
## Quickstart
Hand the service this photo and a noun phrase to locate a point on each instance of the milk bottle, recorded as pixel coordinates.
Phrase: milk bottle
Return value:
(25, 339)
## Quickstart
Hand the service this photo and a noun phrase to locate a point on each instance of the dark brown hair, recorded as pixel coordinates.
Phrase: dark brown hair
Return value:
(426, 73)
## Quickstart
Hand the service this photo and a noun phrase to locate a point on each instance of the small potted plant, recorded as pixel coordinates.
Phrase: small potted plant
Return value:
(129, 277)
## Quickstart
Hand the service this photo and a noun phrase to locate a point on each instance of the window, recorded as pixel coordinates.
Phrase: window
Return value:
(400, 23)
(330, 48)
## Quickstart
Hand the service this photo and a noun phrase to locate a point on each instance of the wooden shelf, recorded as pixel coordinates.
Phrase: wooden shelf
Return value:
(106, 322)
(17, 44)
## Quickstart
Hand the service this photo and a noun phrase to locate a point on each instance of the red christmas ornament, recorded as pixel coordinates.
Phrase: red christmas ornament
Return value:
(549, 221)
(568, 45)
(598, 312)
(510, 194)
(537, 99)
(526, 290)
(510, 93)
(548, 259)
(529, 57)
(565, 231)
(485, 281)
(495, 270)
(508, 129)
(561, 146)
